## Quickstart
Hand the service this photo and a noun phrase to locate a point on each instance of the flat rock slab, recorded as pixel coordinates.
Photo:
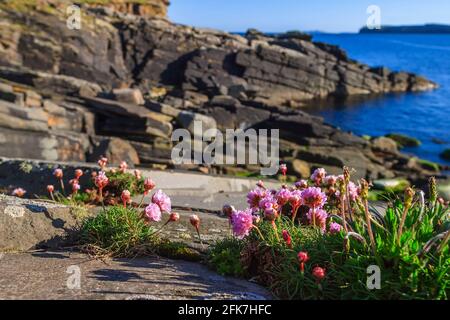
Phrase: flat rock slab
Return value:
(52, 275)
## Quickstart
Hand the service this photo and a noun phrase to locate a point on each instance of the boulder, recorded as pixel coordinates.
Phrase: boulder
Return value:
(129, 95)
(187, 119)
(29, 224)
(116, 150)
(385, 144)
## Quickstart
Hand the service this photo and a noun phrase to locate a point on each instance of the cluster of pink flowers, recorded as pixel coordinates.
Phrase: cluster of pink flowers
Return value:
(160, 203)
(270, 204)
(242, 222)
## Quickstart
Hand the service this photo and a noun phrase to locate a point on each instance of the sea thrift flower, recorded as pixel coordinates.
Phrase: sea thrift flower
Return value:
(195, 221)
(148, 185)
(126, 197)
(295, 199)
(137, 174)
(283, 196)
(313, 197)
(101, 180)
(317, 217)
(318, 273)
(353, 191)
(302, 259)
(270, 210)
(331, 180)
(260, 184)
(283, 169)
(19, 192)
(228, 210)
(255, 196)
(335, 228)
(123, 166)
(302, 184)
(162, 200)
(242, 222)
(152, 213)
(78, 173)
(318, 176)
(50, 188)
(174, 217)
(287, 238)
(102, 162)
(58, 173)
(75, 187)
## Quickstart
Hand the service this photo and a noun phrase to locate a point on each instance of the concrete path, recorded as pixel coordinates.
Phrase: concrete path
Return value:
(54, 275)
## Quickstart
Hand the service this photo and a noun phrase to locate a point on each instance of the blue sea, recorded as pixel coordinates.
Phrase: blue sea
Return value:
(424, 115)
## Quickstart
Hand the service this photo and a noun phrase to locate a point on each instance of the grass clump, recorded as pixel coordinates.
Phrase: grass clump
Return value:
(225, 257)
(118, 232)
(404, 140)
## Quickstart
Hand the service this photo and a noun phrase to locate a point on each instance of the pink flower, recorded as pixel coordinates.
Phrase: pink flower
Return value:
(335, 228)
(58, 173)
(302, 184)
(228, 210)
(101, 180)
(102, 162)
(283, 196)
(50, 188)
(242, 222)
(313, 197)
(331, 180)
(162, 200)
(270, 210)
(353, 191)
(320, 217)
(260, 184)
(123, 166)
(137, 174)
(75, 187)
(296, 199)
(148, 185)
(287, 238)
(318, 273)
(78, 173)
(152, 213)
(174, 217)
(255, 196)
(195, 221)
(126, 197)
(283, 169)
(302, 258)
(318, 175)
(19, 192)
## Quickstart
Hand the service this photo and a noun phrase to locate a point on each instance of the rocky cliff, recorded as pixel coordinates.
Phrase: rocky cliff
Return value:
(121, 84)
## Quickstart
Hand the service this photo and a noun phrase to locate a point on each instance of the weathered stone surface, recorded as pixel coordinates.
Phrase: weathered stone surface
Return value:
(43, 275)
(28, 224)
(129, 95)
(116, 150)
(187, 120)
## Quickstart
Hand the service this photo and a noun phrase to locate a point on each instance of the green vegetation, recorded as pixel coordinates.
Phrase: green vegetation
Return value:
(429, 165)
(224, 256)
(445, 154)
(409, 243)
(403, 140)
(118, 232)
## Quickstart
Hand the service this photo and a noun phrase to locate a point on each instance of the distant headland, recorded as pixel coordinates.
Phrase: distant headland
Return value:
(426, 28)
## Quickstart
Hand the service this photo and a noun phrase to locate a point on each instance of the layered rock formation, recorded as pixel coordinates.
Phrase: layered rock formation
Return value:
(65, 92)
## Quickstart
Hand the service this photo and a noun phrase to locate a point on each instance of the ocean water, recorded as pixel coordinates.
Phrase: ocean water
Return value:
(424, 115)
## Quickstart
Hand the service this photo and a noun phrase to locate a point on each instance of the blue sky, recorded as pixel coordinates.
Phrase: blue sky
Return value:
(323, 15)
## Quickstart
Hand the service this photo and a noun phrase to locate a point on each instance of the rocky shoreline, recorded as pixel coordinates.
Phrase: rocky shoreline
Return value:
(121, 85)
